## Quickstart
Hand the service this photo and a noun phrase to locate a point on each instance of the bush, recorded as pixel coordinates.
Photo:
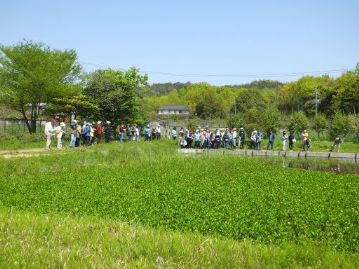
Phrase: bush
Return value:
(341, 126)
(298, 122)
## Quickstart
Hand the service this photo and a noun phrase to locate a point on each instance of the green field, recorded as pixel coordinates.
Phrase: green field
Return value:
(145, 205)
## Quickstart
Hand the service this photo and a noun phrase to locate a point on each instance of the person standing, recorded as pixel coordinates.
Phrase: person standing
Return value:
(108, 132)
(49, 129)
(78, 135)
(270, 141)
(290, 141)
(284, 140)
(158, 132)
(305, 140)
(87, 134)
(242, 137)
(174, 133)
(254, 139)
(73, 137)
(147, 133)
(259, 140)
(122, 131)
(99, 131)
(60, 133)
(234, 137)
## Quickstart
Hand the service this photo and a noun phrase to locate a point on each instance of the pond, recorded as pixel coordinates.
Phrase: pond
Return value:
(339, 166)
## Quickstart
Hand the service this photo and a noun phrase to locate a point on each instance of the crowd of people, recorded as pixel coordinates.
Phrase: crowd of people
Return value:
(87, 133)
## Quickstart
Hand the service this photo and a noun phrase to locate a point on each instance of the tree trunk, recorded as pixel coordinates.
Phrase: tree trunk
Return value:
(26, 120)
(33, 125)
(33, 117)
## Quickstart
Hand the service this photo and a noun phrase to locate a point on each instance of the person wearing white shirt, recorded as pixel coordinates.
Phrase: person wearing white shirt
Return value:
(59, 131)
(49, 129)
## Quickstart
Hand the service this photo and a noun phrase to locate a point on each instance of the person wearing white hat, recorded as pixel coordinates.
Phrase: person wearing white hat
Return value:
(60, 133)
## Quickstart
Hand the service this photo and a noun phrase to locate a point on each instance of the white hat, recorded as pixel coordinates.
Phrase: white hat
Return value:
(108, 122)
(99, 122)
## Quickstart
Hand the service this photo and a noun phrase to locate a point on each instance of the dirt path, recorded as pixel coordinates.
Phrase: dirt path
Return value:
(7, 154)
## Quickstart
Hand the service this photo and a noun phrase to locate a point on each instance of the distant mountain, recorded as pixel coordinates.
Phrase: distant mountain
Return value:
(159, 89)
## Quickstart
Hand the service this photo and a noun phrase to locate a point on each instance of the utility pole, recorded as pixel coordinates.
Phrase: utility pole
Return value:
(316, 101)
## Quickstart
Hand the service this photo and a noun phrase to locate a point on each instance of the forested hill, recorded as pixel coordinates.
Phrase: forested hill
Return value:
(166, 88)
(161, 89)
(259, 85)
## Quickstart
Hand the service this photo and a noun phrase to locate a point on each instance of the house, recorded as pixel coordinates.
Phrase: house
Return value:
(178, 110)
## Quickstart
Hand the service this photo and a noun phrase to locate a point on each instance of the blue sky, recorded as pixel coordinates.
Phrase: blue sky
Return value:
(221, 42)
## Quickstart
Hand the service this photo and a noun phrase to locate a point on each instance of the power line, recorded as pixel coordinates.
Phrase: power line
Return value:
(199, 75)
(333, 71)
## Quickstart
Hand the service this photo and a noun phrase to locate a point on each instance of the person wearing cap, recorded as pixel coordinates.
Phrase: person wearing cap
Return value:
(49, 130)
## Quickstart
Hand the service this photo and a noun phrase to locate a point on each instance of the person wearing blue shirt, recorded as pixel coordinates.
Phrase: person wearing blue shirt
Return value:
(270, 141)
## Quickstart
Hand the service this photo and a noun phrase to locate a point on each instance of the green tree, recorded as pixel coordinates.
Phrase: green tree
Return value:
(248, 99)
(116, 93)
(300, 95)
(31, 75)
(354, 119)
(234, 121)
(341, 125)
(347, 92)
(79, 104)
(298, 122)
(270, 119)
(320, 124)
(264, 120)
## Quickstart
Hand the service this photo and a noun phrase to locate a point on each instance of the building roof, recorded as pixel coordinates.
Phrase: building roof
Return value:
(174, 107)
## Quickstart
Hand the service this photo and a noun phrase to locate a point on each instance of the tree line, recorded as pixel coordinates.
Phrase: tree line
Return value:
(35, 79)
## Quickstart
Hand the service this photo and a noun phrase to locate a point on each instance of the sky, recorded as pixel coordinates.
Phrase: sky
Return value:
(219, 42)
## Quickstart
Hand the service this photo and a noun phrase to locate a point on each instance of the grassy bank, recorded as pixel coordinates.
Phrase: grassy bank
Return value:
(38, 241)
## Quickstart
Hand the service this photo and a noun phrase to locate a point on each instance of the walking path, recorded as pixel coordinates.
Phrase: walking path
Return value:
(270, 153)
(273, 153)
(7, 154)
